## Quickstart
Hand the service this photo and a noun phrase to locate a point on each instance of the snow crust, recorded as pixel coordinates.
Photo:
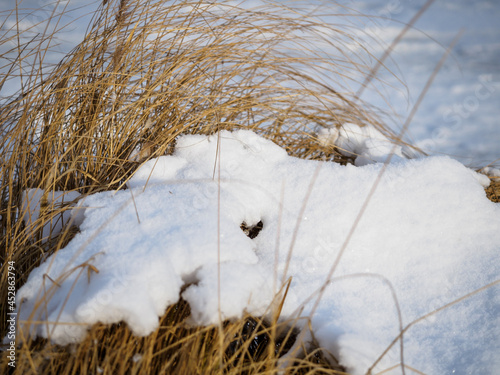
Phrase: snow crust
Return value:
(428, 236)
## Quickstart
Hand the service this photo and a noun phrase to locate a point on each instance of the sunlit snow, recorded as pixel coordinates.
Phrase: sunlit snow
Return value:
(428, 234)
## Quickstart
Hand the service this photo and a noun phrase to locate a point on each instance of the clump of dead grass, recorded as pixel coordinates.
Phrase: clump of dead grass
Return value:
(249, 346)
(493, 190)
(145, 73)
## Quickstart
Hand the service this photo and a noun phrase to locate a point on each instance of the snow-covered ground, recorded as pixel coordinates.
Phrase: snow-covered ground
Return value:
(427, 237)
(460, 115)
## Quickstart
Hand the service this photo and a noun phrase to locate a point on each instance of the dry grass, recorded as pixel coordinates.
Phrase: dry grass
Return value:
(144, 74)
(250, 346)
(493, 191)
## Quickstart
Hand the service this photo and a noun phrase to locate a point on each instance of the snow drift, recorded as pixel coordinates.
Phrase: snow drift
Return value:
(427, 237)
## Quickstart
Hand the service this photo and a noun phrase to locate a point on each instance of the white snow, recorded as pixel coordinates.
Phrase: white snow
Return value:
(459, 115)
(494, 172)
(34, 201)
(428, 234)
(363, 143)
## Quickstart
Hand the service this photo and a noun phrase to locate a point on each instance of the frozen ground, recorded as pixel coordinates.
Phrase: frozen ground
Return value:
(428, 237)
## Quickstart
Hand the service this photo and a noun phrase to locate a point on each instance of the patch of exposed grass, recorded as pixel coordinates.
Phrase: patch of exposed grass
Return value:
(493, 191)
(249, 346)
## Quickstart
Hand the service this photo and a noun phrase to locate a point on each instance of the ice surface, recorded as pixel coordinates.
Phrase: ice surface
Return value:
(429, 235)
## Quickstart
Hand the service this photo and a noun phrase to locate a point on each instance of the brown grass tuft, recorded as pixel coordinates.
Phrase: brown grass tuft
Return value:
(251, 346)
(493, 191)
(145, 73)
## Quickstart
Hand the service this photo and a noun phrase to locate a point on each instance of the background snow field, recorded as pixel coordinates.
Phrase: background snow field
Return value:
(428, 232)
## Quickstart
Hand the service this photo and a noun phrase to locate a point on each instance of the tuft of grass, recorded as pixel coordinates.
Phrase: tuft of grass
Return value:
(493, 191)
(250, 346)
(145, 73)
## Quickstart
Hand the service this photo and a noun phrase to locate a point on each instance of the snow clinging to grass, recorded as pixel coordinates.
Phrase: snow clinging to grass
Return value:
(428, 232)
(365, 144)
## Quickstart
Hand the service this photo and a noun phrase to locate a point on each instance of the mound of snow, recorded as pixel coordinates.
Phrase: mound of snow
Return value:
(365, 144)
(427, 237)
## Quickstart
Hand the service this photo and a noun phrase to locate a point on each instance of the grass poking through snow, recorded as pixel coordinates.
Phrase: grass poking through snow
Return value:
(145, 73)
